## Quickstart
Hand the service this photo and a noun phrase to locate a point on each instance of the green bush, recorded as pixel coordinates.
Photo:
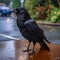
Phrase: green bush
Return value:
(16, 4)
(30, 5)
(54, 15)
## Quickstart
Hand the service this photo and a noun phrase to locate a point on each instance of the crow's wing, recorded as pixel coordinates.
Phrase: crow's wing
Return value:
(34, 29)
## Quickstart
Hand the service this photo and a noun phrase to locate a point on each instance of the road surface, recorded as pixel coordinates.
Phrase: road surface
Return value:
(12, 43)
(9, 29)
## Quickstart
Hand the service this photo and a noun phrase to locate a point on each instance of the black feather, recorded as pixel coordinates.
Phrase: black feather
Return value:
(30, 30)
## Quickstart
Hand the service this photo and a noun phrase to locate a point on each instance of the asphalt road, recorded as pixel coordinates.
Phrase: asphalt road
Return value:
(12, 43)
(9, 29)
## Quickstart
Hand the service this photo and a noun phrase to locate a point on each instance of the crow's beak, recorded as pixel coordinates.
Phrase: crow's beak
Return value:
(13, 11)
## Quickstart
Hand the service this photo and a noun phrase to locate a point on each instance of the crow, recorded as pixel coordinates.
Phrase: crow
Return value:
(30, 29)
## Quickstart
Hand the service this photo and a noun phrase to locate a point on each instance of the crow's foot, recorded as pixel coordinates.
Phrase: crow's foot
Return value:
(31, 53)
(27, 50)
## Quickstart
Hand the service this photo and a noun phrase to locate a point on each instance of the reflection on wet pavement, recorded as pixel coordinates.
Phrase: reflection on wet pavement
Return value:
(13, 50)
(7, 51)
(54, 54)
(8, 27)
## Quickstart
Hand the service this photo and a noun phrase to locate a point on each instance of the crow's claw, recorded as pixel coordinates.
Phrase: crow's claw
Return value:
(27, 50)
(31, 53)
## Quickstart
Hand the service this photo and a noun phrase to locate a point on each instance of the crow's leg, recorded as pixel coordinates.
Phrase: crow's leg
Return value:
(33, 49)
(27, 50)
(44, 45)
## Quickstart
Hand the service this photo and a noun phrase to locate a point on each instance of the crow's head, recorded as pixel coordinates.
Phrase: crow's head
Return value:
(23, 14)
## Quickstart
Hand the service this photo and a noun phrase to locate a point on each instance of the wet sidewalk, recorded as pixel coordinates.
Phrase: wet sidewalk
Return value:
(13, 50)
(54, 54)
(9, 29)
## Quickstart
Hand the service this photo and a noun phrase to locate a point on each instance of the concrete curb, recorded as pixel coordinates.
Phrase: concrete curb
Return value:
(50, 24)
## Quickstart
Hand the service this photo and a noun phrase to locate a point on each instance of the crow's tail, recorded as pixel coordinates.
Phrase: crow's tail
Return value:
(46, 39)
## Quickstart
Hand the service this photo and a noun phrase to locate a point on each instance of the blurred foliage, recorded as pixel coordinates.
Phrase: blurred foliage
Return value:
(48, 10)
(16, 4)
(54, 16)
(30, 5)
(55, 3)
(38, 9)
(43, 2)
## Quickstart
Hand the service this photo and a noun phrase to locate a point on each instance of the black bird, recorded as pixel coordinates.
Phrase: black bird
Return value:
(30, 30)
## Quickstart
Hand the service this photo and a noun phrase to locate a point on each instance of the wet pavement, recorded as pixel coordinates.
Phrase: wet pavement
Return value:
(8, 28)
(13, 50)
(7, 50)
(12, 43)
